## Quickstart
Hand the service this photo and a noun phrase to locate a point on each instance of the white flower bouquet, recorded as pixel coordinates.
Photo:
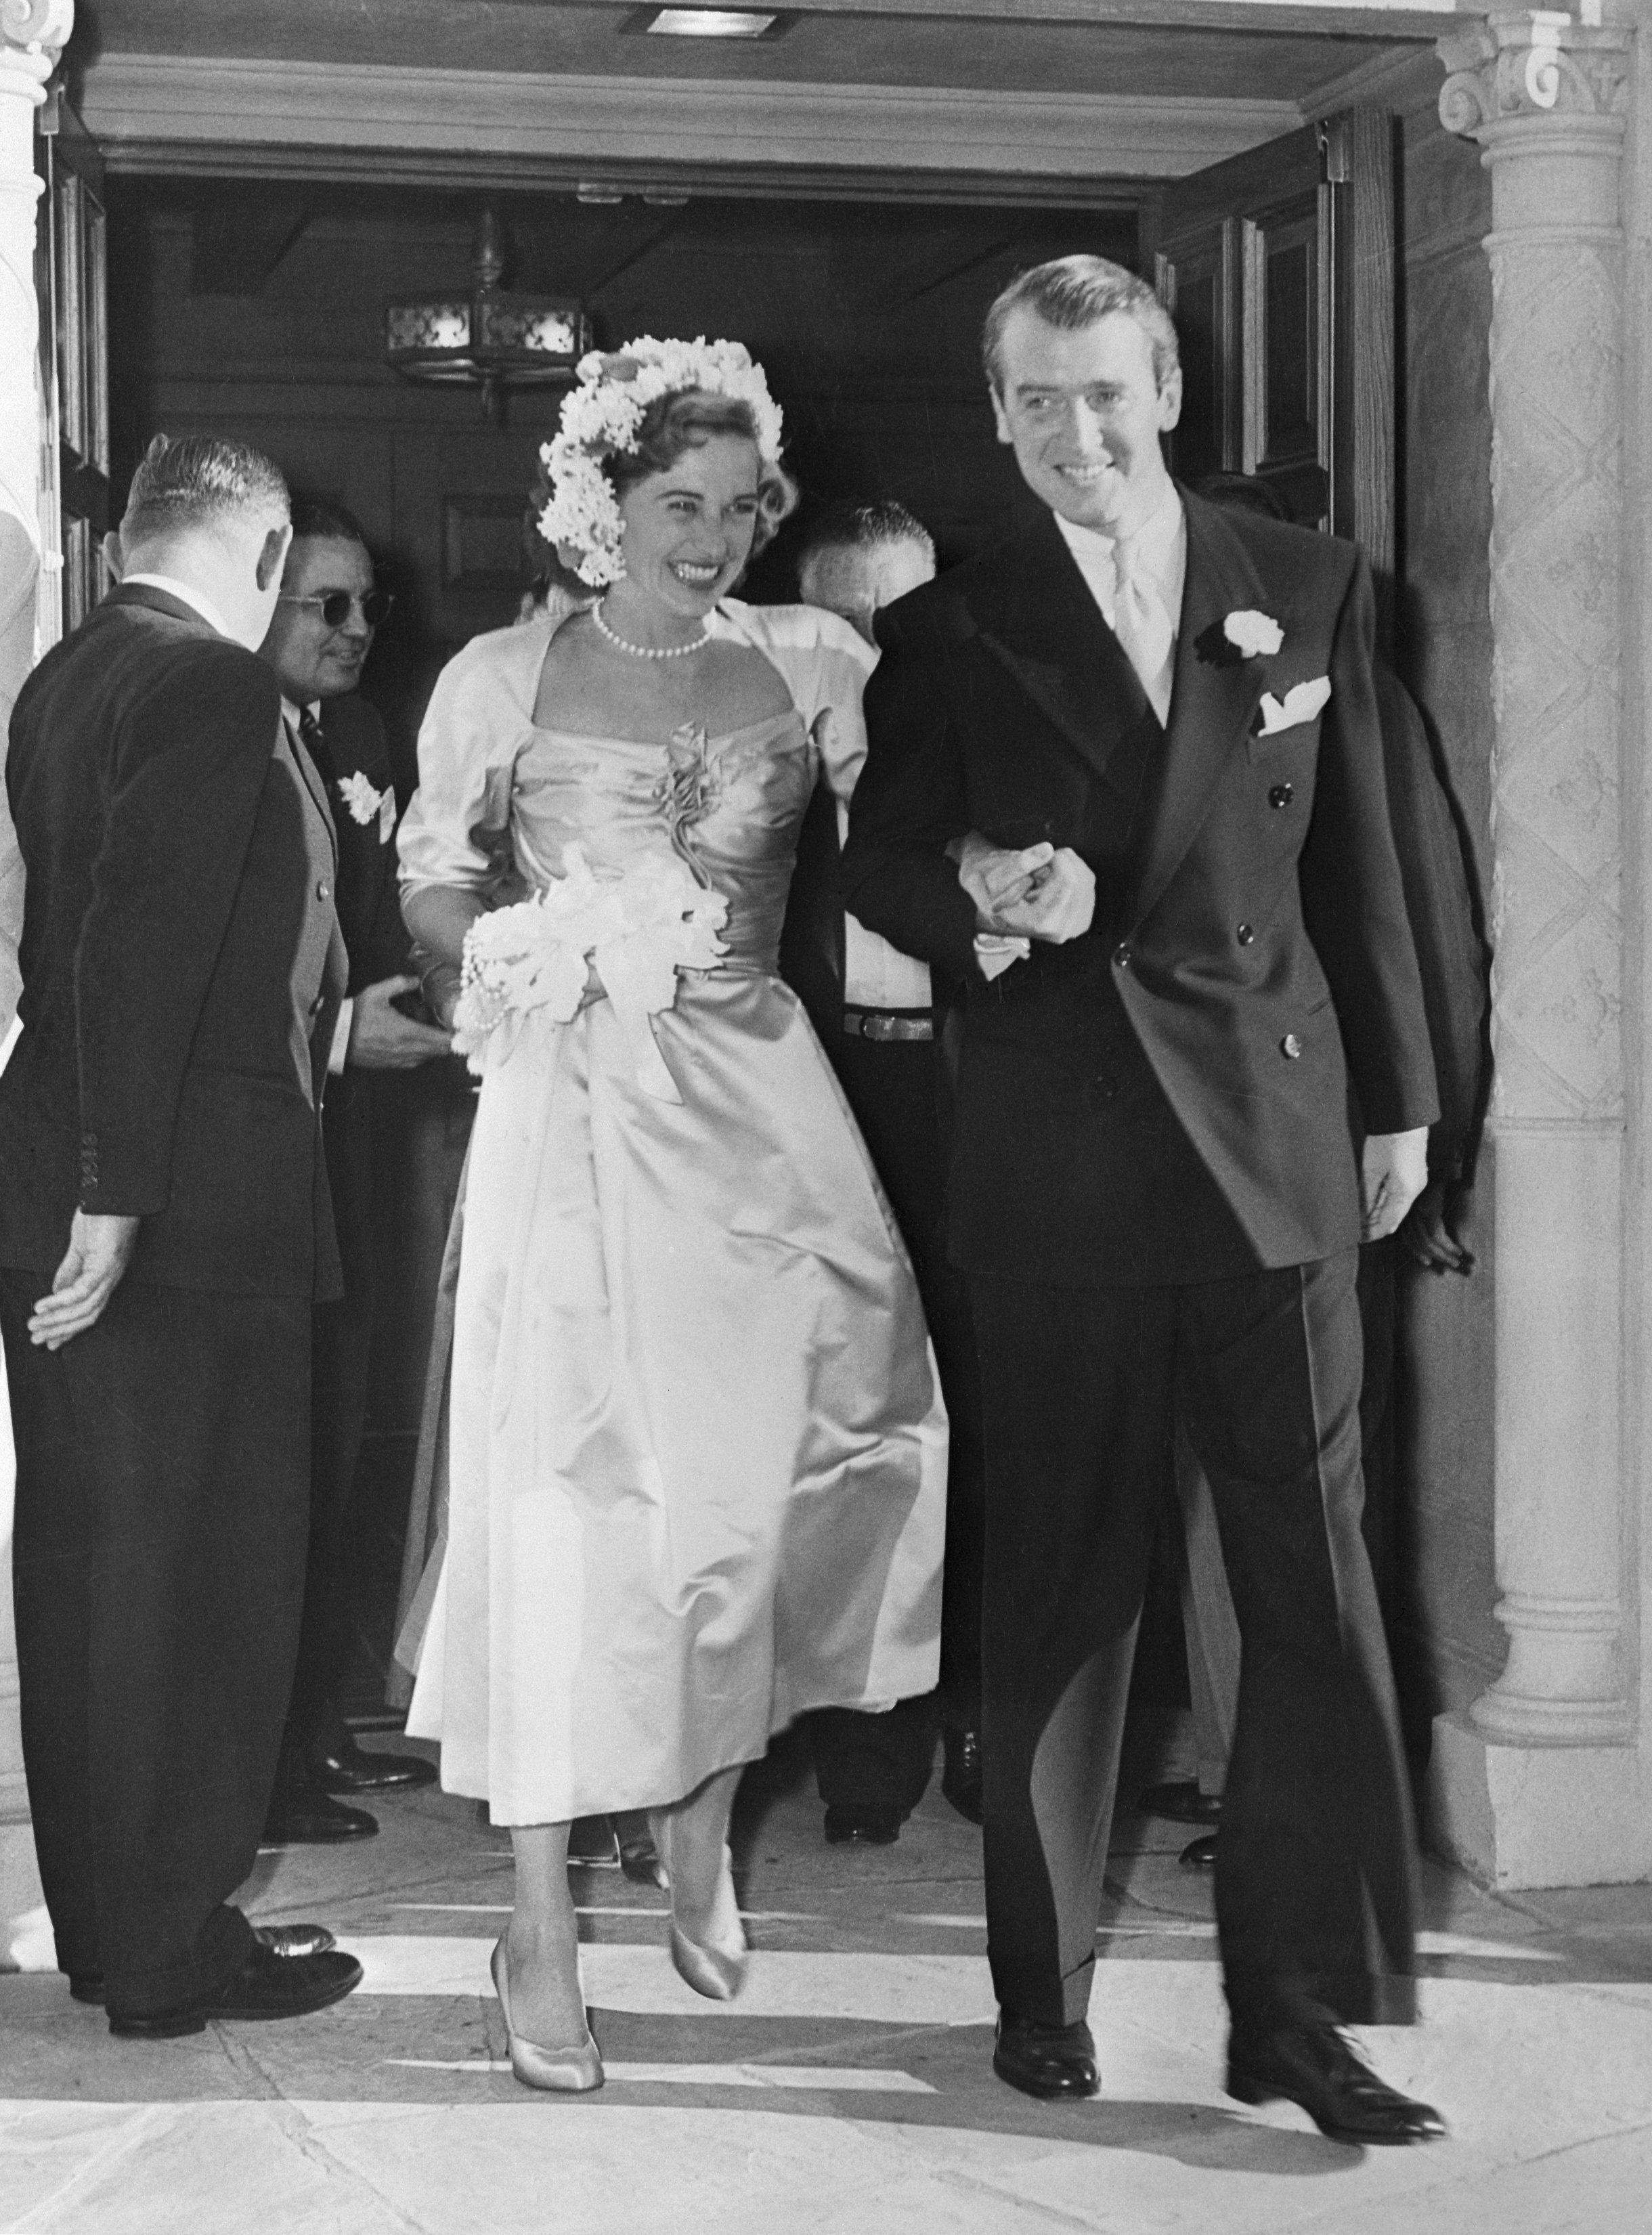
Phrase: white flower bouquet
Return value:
(638, 929)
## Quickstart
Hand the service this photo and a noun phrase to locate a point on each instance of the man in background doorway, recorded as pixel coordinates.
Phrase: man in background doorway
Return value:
(881, 1019)
(320, 637)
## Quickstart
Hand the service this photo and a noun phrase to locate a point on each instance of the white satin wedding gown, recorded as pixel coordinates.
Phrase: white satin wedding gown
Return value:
(697, 1444)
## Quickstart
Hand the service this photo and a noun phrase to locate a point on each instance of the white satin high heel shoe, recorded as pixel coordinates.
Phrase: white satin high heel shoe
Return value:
(563, 2071)
(714, 1969)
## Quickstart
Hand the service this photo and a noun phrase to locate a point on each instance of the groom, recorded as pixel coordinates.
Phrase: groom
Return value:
(1126, 778)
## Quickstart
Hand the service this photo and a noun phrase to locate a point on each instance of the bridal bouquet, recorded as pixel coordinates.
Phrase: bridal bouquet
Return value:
(638, 929)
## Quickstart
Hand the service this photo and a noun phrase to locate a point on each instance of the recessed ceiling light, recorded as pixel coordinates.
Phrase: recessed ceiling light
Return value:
(711, 24)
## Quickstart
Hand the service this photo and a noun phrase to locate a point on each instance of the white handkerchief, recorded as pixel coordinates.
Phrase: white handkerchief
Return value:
(995, 951)
(1300, 703)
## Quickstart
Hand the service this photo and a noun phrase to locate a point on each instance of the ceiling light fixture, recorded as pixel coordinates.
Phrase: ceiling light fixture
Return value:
(710, 22)
(488, 338)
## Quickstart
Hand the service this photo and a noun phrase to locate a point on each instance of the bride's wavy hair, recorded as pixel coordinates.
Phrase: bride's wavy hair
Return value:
(670, 426)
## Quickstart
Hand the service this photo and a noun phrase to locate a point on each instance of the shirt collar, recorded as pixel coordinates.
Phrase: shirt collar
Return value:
(295, 714)
(193, 599)
(1155, 540)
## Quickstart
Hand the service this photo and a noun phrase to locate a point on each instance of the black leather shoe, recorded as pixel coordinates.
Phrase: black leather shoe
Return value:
(267, 1985)
(345, 1768)
(1045, 2059)
(1199, 1854)
(279, 1939)
(639, 1862)
(1182, 1803)
(1313, 2065)
(863, 1827)
(960, 1774)
(314, 1819)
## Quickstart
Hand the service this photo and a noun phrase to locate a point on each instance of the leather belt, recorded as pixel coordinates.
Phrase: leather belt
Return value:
(889, 1023)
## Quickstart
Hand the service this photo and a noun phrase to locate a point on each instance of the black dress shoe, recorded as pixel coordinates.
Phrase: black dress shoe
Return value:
(960, 1774)
(267, 1985)
(1199, 1854)
(863, 1827)
(639, 1862)
(314, 1819)
(279, 1939)
(1045, 2059)
(345, 1768)
(1182, 1803)
(1313, 2065)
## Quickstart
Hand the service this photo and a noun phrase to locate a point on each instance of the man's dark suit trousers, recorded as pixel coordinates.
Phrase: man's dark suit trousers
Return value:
(162, 1504)
(1313, 1865)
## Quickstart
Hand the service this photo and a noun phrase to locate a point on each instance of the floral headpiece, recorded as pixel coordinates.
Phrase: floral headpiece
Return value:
(604, 414)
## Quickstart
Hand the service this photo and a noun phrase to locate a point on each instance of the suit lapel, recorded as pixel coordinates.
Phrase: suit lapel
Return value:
(1040, 623)
(1213, 701)
(312, 782)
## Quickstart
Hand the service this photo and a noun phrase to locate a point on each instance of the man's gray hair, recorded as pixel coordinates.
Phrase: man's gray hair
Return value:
(863, 527)
(194, 480)
(1073, 292)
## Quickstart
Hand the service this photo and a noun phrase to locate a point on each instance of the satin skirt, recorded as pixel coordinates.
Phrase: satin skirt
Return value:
(696, 1448)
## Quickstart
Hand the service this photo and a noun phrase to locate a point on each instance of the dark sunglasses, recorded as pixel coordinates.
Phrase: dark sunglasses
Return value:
(334, 605)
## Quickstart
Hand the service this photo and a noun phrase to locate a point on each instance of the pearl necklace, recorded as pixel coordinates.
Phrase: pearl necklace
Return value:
(645, 651)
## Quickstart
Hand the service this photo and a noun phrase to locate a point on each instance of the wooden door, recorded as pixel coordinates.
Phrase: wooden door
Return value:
(1278, 266)
(72, 283)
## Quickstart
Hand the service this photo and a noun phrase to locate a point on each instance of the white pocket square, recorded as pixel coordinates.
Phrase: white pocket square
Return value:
(1301, 704)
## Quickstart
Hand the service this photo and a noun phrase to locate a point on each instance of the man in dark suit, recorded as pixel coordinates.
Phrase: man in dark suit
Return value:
(164, 1228)
(1452, 961)
(882, 1021)
(318, 641)
(1125, 777)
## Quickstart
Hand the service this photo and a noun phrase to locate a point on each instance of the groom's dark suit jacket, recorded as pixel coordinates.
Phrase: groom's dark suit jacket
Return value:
(1178, 1094)
(180, 959)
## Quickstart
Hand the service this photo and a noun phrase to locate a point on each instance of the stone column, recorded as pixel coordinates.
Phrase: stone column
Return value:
(1540, 1783)
(32, 35)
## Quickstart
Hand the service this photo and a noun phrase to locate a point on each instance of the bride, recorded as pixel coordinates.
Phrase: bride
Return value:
(697, 1451)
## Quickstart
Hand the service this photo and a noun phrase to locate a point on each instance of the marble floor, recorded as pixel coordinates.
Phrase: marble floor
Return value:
(848, 2090)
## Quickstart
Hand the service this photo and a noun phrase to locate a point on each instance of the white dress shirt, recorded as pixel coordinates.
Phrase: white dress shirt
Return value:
(1160, 546)
(193, 599)
(825, 662)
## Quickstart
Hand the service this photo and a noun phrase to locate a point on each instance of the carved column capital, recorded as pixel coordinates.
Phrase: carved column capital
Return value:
(1539, 63)
(37, 27)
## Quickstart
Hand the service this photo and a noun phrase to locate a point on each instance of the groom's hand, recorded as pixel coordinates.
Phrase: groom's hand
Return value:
(1394, 1171)
(1040, 892)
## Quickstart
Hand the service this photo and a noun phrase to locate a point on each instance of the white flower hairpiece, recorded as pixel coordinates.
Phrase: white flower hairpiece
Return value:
(604, 414)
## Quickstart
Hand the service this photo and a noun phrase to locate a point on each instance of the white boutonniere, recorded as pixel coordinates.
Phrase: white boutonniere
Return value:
(365, 801)
(1258, 636)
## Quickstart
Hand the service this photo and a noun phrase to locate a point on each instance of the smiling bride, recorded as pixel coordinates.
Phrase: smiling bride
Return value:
(697, 1451)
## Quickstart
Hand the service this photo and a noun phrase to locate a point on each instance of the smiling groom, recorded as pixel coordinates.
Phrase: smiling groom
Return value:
(1126, 780)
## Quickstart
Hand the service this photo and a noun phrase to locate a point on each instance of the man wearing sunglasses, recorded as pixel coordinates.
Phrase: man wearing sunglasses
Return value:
(317, 643)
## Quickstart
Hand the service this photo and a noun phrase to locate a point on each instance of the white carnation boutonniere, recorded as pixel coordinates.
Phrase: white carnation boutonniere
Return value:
(1257, 636)
(365, 801)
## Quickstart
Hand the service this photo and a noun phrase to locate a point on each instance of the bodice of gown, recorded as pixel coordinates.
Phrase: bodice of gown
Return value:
(731, 806)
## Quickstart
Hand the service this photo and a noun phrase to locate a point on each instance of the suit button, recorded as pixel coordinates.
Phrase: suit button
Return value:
(324, 890)
(1121, 957)
(1281, 795)
(1244, 935)
(1290, 1047)
(1103, 1087)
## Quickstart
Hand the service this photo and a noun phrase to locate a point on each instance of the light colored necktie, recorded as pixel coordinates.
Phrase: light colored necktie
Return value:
(1142, 625)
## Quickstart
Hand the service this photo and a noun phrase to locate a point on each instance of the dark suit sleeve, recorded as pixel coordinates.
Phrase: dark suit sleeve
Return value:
(908, 806)
(187, 775)
(1450, 954)
(1354, 900)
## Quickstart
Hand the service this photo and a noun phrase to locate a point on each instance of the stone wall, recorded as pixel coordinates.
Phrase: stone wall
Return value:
(1444, 650)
